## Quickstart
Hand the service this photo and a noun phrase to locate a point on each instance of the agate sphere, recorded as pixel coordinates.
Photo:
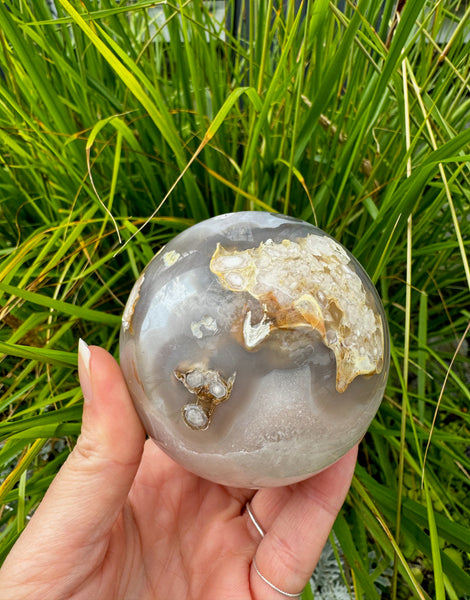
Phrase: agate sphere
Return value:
(255, 348)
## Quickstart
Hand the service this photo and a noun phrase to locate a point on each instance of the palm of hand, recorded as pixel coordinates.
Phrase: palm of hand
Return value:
(122, 521)
(178, 536)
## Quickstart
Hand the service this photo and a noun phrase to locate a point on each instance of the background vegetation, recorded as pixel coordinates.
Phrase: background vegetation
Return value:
(351, 115)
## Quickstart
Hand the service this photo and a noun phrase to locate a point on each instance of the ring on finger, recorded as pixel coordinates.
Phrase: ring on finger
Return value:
(272, 586)
(262, 533)
(254, 520)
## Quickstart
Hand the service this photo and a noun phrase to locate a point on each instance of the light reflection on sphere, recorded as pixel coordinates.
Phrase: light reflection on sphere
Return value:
(255, 348)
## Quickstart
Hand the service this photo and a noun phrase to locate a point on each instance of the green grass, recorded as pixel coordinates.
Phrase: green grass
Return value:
(116, 134)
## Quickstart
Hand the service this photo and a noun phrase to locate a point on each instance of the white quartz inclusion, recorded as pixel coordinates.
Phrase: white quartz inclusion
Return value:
(131, 303)
(309, 282)
(206, 326)
(195, 416)
(254, 334)
(171, 257)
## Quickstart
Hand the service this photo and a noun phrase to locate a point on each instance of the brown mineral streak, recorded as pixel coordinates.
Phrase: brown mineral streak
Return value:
(296, 284)
(136, 373)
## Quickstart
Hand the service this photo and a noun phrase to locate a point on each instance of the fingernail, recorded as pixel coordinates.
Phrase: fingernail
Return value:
(84, 369)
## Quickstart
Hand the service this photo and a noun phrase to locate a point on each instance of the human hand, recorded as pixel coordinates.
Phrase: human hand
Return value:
(123, 521)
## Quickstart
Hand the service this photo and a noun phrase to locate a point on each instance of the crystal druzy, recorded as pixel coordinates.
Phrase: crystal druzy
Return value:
(255, 348)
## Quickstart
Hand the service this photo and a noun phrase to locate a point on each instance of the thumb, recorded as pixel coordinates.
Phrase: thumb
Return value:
(86, 497)
(104, 462)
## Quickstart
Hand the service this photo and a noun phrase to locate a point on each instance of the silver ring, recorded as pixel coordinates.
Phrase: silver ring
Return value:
(262, 534)
(272, 586)
(253, 520)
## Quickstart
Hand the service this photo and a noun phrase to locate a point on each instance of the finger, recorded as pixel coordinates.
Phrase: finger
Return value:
(266, 505)
(85, 498)
(104, 462)
(297, 533)
(109, 449)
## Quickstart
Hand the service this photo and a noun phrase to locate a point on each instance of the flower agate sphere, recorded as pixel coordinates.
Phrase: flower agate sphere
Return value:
(255, 348)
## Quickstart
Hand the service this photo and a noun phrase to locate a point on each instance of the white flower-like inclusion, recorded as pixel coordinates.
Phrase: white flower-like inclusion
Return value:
(309, 282)
(210, 388)
(195, 417)
(206, 326)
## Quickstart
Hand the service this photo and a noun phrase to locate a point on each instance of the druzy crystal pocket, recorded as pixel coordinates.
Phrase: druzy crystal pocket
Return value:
(255, 348)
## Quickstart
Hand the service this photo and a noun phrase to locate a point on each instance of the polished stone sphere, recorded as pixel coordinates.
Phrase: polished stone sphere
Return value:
(255, 348)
